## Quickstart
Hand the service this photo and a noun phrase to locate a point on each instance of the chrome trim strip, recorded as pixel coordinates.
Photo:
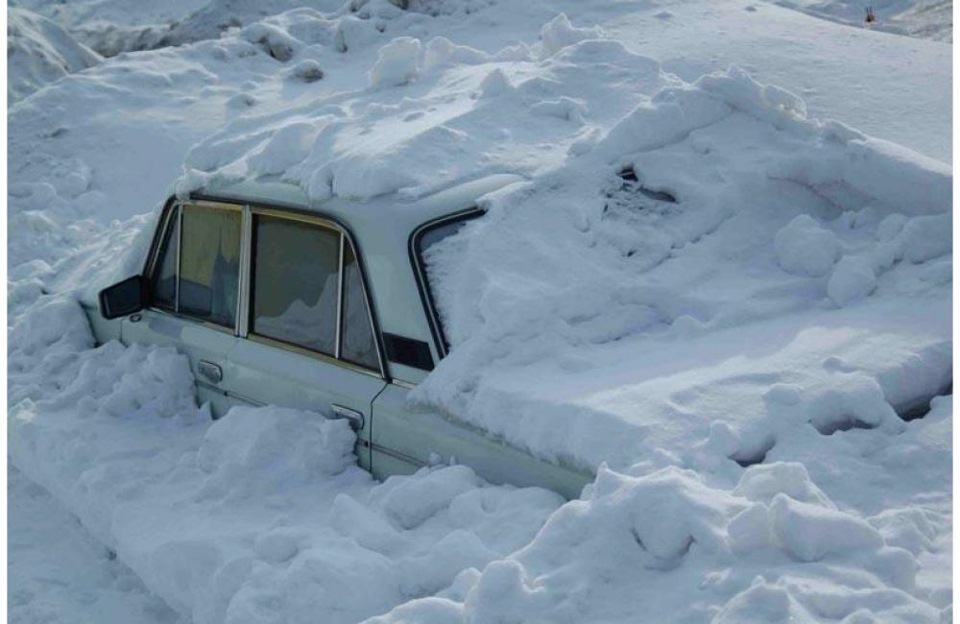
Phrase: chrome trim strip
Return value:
(227, 393)
(176, 296)
(397, 455)
(324, 357)
(244, 291)
(191, 319)
(338, 344)
(403, 384)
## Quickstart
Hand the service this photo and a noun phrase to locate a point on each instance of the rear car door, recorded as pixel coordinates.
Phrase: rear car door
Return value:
(306, 333)
(193, 291)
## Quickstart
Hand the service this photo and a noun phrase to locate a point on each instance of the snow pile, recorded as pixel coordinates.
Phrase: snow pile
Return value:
(253, 454)
(670, 547)
(731, 209)
(377, 148)
(40, 52)
(261, 516)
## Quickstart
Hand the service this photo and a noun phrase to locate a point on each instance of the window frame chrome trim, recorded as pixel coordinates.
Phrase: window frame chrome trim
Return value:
(176, 297)
(317, 355)
(338, 343)
(246, 251)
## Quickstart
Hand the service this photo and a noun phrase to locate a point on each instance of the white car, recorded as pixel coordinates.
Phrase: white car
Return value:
(319, 306)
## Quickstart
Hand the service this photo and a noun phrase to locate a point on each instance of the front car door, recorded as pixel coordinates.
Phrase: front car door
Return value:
(193, 291)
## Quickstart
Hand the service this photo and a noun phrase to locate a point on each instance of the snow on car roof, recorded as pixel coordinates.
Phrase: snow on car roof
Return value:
(408, 207)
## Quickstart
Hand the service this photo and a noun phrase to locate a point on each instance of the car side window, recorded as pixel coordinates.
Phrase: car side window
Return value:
(197, 273)
(358, 344)
(209, 272)
(295, 287)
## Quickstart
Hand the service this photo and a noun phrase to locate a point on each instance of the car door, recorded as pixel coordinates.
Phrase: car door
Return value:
(193, 291)
(307, 337)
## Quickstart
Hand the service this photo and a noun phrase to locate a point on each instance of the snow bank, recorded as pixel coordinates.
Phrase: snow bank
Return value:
(670, 547)
(40, 52)
(261, 516)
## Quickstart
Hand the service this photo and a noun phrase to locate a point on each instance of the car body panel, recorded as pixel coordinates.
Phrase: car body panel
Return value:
(262, 374)
(406, 438)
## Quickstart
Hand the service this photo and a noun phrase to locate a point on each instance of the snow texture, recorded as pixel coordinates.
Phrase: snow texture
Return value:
(712, 291)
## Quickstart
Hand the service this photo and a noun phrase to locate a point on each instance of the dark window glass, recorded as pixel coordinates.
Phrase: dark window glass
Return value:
(295, 283)
(210, 264)
(164, 284)
(357, 341)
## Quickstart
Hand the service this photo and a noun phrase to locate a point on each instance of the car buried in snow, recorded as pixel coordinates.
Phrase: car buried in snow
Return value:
(327, 307)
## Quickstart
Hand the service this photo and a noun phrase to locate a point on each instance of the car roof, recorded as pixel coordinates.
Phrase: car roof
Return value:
(398, 211)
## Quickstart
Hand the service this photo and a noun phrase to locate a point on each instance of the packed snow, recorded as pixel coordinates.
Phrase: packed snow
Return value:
(724, 288)
(57, 573)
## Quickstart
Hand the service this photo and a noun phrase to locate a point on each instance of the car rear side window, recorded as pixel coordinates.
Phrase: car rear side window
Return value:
(295, 285)
(358, 344)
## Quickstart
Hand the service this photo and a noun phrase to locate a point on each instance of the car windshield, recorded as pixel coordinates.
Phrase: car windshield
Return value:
(434, 248)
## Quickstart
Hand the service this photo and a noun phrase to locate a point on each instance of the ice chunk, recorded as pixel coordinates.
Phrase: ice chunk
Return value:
(852, 280)
(805, 248)
(398, 63)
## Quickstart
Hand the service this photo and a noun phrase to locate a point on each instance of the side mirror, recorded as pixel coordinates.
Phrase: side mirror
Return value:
(122, 298)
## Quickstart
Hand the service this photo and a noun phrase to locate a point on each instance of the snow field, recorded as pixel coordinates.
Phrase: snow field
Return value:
(721, 304)
(58, 573)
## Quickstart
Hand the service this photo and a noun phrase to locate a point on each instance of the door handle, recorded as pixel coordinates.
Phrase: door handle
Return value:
(210, 371)
(355, 417)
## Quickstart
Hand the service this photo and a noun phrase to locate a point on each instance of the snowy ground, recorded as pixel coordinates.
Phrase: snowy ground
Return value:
(58, 573)
(736, 364)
